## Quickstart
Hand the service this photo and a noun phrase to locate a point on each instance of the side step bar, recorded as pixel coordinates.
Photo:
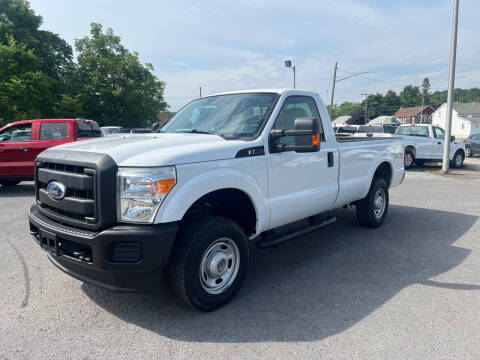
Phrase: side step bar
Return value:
(269, 241)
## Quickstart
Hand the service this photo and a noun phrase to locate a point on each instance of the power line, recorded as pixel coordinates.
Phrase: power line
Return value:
(373, 79)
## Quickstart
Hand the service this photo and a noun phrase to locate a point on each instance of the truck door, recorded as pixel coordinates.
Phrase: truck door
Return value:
(52, 133)
(439, 140)
(16, 151)
(301, 184)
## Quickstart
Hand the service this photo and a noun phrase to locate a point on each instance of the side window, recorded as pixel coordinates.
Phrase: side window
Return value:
(20, 132)
(88, 129)
(295, 107)
(439, 133)
(53, 130)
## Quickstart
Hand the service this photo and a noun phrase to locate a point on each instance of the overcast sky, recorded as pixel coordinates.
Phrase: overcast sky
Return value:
(235, 44)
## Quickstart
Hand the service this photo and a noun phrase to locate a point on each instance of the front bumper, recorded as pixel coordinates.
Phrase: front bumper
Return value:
(121, 258)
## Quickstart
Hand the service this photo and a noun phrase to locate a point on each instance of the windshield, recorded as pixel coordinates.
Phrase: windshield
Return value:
(232, 116)
(369, 129)
(346, 130)
(413, 130)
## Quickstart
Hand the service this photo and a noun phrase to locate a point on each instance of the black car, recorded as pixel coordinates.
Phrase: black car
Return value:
(472, 145)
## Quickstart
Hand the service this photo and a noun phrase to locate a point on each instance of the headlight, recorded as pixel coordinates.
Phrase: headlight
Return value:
(142, 190)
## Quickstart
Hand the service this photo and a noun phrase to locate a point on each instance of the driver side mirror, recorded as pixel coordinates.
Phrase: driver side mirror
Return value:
(306, 136)
(452, 138)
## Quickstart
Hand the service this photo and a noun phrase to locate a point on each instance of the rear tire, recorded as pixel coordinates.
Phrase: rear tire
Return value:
(468, 152)
(209, 262)
(408, 159)
(372, 210)
(9, 182)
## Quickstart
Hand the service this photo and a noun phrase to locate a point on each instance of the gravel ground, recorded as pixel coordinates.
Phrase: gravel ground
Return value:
(410, 289)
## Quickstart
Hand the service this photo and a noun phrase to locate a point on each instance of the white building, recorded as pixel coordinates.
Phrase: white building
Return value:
(465, 118)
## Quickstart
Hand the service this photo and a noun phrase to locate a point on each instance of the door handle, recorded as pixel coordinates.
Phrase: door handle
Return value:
(24, 148)
(439, 143)
(330, 159)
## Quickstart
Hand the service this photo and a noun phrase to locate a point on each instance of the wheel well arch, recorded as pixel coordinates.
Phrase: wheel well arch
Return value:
(385, 171)
(231, 203)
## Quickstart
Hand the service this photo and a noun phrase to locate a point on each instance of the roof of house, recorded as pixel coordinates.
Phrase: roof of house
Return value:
(412, 111)
(342, 119)
(467, 108)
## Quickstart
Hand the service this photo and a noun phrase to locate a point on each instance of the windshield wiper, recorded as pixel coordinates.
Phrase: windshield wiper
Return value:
(196, 131)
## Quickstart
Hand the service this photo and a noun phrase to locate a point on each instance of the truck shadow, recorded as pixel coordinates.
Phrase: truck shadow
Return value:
(316, 286)
(22, 189)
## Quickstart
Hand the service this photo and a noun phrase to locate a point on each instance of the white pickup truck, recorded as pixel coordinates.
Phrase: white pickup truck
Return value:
(424, 142)
(227, 169)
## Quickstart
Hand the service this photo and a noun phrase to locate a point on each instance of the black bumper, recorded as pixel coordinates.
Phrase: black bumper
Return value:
(121, 258)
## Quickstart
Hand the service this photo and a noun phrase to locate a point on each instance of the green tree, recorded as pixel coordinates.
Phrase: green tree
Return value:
(425, 88)
(374, 105)
(114, 86)
(410, 96)
(69, 106)
(391, 103)
(37, 61)
(25, 91)
(345, 108)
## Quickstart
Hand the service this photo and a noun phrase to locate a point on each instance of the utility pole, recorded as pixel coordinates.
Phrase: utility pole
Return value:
(294, 77)
(345, 78)
(366, 107)
(421, 114)
(333, 89)
(200, 86)
(451, 86)
(288, 64)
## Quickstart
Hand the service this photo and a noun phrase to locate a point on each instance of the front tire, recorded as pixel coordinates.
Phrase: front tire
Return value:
(372, 210)
(209, 262)
(457, 160)
(409, 159)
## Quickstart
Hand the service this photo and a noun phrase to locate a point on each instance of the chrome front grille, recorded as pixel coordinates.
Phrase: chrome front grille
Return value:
(79, 206)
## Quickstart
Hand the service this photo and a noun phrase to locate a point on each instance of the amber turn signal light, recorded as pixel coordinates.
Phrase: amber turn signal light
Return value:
(164, 185)
(315, 139)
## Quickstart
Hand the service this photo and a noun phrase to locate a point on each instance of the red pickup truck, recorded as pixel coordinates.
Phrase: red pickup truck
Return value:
(22, 141)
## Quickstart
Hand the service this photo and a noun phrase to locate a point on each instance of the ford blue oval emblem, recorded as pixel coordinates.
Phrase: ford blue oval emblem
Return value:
(56, 190)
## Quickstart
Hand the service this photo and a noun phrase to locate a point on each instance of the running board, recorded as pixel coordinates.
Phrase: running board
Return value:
(270, 241)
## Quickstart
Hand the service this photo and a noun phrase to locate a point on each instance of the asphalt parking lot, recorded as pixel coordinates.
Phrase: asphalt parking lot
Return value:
(410, 289)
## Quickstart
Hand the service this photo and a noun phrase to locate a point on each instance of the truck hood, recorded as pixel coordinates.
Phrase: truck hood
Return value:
(158, 149)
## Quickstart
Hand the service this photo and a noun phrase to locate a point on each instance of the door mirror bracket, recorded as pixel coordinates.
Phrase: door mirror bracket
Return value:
(306, 136)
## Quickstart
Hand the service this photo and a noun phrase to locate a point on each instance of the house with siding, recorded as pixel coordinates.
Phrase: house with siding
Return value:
(465, 118)
(415, 115)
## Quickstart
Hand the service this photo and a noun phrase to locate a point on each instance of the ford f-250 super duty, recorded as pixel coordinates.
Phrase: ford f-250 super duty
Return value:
(424, 142)
(225, 170)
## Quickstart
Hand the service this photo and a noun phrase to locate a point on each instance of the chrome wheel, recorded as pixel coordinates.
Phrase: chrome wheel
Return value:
(379, 203)
(458, 160)
(219, 266)
(408, 159)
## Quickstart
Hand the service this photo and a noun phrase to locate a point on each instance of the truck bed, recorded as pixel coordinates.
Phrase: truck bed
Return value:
(349, 138)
